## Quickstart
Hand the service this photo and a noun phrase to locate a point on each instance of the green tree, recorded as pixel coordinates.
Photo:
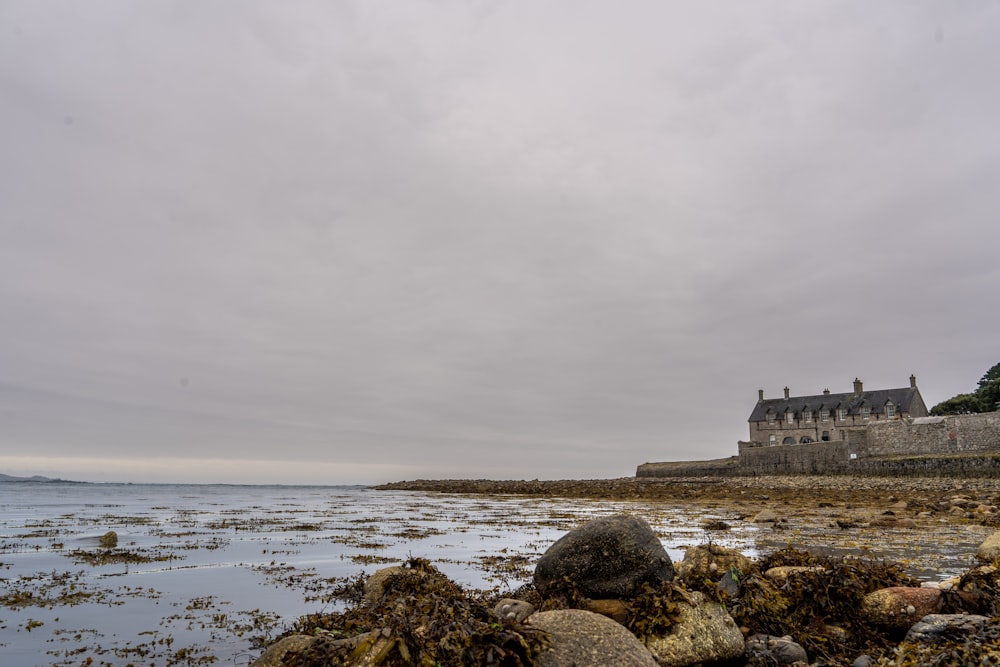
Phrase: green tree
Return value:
(992, 375)
(985, 398)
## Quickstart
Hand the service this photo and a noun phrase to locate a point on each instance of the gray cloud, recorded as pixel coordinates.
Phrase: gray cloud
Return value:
(480, 239)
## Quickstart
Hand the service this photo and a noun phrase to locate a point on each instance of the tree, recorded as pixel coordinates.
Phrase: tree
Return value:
(985, 398)
(991, 375)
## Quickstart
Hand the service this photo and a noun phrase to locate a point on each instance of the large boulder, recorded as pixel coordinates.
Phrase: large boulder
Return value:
(609, 557)
(704, 632)
(578, 637)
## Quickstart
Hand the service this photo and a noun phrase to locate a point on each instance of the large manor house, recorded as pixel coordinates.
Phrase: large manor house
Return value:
(826, 417)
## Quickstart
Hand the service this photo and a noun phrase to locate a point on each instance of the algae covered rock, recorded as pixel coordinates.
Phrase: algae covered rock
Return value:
(609, 557)
(109, 540)
(899, 607)
(711, 561)
(703, 632)
(577, 637)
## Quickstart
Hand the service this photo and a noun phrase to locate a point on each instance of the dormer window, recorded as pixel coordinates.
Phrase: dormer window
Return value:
(890, 410)
(770, 419)
(807, 415)
(824, 415)
(842, 414)
(866, 412)
(790, 417)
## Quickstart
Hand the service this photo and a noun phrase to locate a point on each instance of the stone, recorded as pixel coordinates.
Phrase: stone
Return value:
(934, 626)
(609, 557)
(730, 583)
(109, 540)
(765, 516)
(704, 632)
(780, 575)
(275, 654)
(578, 637)
(782, 650)
(892, 522)
(616, 610)
(862, 661)
(899, 607)
(513, 610)
(710, 561)
(990, 549)
(375, 584)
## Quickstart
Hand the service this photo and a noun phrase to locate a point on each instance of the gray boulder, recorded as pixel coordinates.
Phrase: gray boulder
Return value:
(578, 637)
(704, 632)
(933, 627)
(609, 557)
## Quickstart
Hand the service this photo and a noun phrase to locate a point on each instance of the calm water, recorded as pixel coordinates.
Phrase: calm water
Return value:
(226, 563)
(209, 568)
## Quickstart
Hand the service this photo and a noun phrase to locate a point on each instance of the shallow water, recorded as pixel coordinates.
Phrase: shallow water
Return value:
(210, 568)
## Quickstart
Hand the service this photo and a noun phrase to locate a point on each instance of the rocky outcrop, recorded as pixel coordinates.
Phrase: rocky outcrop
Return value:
(610, 557)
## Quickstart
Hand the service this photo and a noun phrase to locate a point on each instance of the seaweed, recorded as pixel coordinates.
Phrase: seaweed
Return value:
(818, 608)
(423, 619)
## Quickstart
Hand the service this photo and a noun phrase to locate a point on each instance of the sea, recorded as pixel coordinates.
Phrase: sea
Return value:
(207, 574)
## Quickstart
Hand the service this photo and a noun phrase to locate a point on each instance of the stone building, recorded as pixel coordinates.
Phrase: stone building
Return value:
(829, 417)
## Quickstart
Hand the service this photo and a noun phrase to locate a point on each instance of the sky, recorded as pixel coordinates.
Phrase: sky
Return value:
(355, 242)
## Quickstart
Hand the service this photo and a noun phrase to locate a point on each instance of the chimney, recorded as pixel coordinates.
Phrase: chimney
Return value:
(858, 386)
(913, 381)
(760, 394)
(786, 392)
(826, 392)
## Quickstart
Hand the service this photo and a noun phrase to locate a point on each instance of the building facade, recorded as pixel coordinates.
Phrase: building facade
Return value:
(829, 417)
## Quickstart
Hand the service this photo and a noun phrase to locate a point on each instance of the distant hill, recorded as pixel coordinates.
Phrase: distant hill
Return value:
(35, 478)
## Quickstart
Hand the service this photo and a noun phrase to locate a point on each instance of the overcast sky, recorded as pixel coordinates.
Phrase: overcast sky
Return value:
(364, 241)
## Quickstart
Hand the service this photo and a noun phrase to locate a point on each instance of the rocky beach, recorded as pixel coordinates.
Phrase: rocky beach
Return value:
(840, 577)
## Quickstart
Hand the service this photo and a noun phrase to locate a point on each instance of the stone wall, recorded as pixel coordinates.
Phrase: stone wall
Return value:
(926, 446)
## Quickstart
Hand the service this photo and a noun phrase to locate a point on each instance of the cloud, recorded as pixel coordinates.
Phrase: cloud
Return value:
(549, 240)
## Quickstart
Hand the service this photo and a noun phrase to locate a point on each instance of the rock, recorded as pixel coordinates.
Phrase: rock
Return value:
(513, 610)
(899, 607)
(935, 626)
(765, 516)
(375, 584)
(609, 557)
(862, 661)
(710, 561)
(730, 583)
(892, 522)
(109, 540)
(780, 575)
(990, 549)
(704, 632)
(578, 637)
(782, 650)
(616, 610)
(275, 653)
(949, 639)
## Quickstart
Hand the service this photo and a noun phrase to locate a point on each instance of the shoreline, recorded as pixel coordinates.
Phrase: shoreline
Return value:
(791, 488)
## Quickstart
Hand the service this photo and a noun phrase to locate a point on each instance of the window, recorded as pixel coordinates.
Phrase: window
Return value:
(788, 441)
(890, 411)
(770, 419)
(773, 440)
(841, 414)
(790, 417)
(866, 412)
(824, 414)
(826, 436)
(807, 416)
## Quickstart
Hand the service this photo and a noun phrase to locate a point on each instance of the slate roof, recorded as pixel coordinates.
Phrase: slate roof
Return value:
(903, 398)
